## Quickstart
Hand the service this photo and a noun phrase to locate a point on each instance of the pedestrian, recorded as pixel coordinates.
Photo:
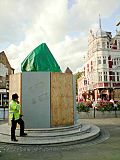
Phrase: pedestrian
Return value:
(112, 101)
(14, 115)
(115, 106)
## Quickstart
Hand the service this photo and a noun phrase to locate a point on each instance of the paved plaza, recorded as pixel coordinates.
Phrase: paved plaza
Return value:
(105, 147)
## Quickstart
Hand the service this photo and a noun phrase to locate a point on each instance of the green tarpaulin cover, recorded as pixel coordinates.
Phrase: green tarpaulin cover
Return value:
(40, 59)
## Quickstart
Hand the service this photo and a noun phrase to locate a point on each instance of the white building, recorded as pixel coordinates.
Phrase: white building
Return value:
(101, 76)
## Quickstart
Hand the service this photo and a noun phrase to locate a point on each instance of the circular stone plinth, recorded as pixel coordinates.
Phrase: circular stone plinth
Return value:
(50, 136)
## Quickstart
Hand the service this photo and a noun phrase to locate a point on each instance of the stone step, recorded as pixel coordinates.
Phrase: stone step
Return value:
(80, 130)
(54, 129)
(93, 132)
(60, 129)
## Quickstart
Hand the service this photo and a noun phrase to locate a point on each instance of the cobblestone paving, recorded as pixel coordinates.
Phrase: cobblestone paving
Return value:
(105, 147)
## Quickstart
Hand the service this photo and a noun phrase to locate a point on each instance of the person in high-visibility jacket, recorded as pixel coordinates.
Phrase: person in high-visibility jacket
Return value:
(14, 115)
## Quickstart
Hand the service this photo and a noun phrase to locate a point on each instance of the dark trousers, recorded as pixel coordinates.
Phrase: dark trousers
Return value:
(13, 127)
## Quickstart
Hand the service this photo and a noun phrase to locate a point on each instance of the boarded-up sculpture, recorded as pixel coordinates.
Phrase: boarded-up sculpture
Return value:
(48, 96)
(48, 99)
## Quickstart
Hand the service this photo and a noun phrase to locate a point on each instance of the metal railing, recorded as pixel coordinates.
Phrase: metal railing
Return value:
(93, 113)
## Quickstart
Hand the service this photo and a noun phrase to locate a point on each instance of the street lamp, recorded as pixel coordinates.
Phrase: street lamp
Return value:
(110, 90)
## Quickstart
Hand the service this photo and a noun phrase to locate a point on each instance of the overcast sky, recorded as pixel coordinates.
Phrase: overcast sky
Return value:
(62, 24)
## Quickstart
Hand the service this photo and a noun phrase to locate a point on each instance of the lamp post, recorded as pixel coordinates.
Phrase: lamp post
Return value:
(110, 90)
(113, 92)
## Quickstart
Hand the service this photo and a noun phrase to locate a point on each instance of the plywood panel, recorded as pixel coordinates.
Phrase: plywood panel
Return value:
(62, 101)
(36, 99)
(15, 85)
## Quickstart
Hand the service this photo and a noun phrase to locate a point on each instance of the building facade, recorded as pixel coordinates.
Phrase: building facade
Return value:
(101, 78)
(5, 71)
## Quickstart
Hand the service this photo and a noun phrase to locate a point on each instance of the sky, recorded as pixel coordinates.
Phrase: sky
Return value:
(63, 25)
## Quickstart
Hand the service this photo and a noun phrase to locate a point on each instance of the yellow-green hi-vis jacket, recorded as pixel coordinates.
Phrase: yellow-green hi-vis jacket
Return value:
(14, 110)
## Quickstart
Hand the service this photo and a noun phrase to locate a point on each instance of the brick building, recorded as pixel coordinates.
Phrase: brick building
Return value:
(5, 71)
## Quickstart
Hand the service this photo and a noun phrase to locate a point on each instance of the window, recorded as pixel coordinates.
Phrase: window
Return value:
(88, 81)
(3, 99)
(103, 45)
(100, 76)
(118, 76)
(110, 75)
(104, 61)
(99, 60)
(105, 76)
(87, 67)
(115, 62)
(91, 65)
(98, 45)
(113, 76)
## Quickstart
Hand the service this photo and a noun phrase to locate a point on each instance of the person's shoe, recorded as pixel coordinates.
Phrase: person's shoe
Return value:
(23, 135)
(14, 139)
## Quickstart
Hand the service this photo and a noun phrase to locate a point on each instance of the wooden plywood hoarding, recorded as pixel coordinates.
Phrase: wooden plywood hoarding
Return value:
(62, 101)
(15, 85)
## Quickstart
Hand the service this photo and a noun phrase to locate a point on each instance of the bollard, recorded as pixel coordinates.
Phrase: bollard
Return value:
(115, 112)
(115, 108)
